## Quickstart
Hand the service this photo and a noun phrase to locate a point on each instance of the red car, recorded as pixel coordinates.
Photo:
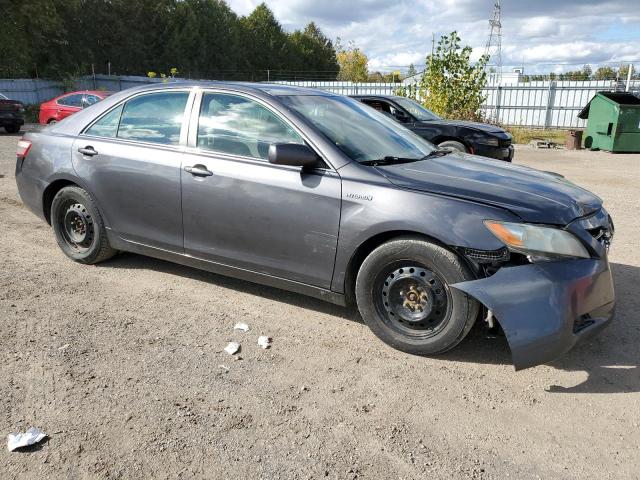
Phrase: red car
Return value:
(61, 107)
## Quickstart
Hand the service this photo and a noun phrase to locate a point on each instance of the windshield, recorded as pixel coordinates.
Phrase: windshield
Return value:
(415, 109)
(361, 132)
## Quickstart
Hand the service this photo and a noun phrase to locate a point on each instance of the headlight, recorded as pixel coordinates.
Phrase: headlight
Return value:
(535, 241)
(494, 142)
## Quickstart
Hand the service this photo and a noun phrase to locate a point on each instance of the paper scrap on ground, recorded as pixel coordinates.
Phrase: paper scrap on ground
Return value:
(241, 326)
(233, 347)
(264, 341)
(30, 437)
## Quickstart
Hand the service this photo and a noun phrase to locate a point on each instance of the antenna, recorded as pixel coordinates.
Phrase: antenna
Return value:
(494, 43)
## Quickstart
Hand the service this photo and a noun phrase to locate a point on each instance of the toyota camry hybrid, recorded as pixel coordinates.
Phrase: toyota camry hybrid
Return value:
(320, 194)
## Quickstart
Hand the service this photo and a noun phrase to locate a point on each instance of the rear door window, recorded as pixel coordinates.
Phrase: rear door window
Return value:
(240, 126)
(74, 100)
(154, 117)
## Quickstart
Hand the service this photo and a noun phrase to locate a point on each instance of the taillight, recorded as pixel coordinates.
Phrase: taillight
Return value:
(23, 148)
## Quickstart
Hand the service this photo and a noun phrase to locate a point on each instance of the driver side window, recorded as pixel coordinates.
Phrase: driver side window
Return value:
(240, 126)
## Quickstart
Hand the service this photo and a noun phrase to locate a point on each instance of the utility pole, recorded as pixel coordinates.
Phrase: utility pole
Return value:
(629, 72)
(494, 42)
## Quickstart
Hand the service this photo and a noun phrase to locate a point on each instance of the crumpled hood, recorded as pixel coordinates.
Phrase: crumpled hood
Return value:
(533, 195)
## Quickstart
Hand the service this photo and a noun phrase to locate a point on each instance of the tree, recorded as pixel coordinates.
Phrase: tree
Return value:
(204, 39)
(623, 71)
(265, 43)
(451, 86)
(313, 53)
(604, 73)
(60, 39)
(411, 71)
(353, 63)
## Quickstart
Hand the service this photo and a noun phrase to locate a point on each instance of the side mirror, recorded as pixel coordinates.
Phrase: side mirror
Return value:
(401, 116)
(293, 154)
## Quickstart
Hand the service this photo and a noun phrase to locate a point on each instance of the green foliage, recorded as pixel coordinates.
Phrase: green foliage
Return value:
(604, 73)
(202, 38)
(411, 71)
(353, 63)
(451, 85)
(389, 77)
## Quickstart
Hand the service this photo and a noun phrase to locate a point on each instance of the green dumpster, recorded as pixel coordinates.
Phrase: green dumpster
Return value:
(613, 122)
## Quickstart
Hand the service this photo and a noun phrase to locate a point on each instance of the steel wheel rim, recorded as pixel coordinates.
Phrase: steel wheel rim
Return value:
(76, 226)
(413, 300)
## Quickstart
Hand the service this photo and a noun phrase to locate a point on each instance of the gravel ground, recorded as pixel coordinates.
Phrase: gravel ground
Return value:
(120, 365)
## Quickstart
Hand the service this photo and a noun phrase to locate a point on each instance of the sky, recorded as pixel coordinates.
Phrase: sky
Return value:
(542, 35)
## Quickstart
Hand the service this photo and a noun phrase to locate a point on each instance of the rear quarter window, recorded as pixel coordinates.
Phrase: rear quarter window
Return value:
(107, 126)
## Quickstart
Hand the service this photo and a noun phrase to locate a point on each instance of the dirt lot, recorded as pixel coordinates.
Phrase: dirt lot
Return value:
(119, 364)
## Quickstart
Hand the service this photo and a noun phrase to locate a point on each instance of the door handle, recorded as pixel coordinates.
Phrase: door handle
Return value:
(198, 171)
(89, 151)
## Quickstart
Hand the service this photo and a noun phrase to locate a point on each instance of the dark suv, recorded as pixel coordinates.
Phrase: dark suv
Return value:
(319, 194)
(11, 114)
(469, 137)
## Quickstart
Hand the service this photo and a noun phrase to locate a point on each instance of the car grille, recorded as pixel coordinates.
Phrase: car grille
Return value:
(487, 255)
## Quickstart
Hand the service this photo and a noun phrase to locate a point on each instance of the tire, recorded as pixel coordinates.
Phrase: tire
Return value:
(453, 145)
(78, 226)
(52, 121)
(423, 268)
(12, 128)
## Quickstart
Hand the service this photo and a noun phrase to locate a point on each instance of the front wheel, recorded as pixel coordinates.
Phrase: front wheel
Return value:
(453, 145)
(404, 294)
(78, 226)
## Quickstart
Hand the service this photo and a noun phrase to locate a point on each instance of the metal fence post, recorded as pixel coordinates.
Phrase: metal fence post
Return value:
(36, 90)
(498, 102)
(551, 100)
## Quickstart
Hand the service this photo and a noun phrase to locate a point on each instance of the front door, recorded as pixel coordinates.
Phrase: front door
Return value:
(240, 210)
(130, 160)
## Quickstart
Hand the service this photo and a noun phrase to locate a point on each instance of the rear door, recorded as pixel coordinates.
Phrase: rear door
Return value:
(68, 105)
(248, 213)
(130, 161)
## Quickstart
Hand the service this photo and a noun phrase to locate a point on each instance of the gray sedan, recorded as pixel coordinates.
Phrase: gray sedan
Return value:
(319, 194)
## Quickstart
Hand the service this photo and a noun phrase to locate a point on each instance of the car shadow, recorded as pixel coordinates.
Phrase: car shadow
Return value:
(611, 360)
(131, 260)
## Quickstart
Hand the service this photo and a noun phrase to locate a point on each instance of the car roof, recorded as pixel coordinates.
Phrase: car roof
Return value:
(274, 89)
(373, 97)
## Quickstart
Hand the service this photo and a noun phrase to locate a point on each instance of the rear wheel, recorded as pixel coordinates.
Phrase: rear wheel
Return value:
(12, 128)
(404, 294)
(78, 226)
(453, 145)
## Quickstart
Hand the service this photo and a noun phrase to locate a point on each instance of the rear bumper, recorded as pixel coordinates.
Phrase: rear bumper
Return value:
(546, 308)
(11, 119)
(30, 190)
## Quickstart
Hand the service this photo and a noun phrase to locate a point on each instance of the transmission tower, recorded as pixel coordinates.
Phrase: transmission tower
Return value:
(494, 43)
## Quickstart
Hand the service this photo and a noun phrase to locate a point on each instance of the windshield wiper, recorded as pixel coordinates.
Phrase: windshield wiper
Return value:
(436, 153)
(389, 160)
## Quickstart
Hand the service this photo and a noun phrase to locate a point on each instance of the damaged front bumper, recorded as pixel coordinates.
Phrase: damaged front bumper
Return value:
(546, 308)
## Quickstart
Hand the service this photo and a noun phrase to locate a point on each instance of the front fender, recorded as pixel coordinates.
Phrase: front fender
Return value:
(546, 308)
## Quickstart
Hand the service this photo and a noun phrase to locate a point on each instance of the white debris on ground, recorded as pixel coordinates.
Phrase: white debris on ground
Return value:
(232, 347)
(30, 437)
(223, 367)
(241, 326)
(264, 341)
